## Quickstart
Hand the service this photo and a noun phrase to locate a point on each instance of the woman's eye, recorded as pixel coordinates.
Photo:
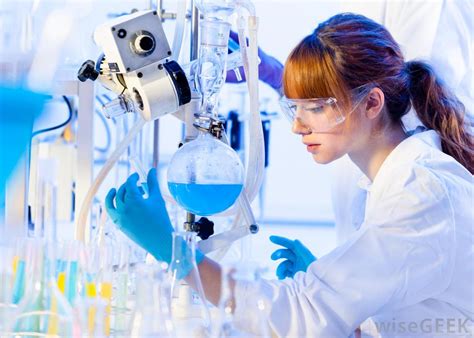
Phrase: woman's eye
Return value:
(317, 109)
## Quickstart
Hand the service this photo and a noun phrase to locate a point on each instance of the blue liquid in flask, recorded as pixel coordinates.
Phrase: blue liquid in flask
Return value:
(205, 199)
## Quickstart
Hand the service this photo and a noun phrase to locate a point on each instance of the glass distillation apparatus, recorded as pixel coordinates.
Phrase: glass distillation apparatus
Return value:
(137, 64)
(205, 176)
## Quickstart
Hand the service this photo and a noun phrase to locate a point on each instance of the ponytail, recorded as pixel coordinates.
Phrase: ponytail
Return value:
(440, 110)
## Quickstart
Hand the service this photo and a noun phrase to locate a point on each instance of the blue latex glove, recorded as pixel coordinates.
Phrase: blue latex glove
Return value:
(19, 108)
(297, 257)
(270, 70)
(145, 220)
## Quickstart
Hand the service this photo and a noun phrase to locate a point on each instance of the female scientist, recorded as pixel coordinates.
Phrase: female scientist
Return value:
(409, 267)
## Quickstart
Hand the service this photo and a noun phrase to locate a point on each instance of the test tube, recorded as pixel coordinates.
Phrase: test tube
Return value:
(138, 166)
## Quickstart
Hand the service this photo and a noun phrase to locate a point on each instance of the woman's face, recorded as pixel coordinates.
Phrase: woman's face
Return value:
(327, 146)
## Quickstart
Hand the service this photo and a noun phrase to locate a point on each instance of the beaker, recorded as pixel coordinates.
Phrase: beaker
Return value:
(205, 176)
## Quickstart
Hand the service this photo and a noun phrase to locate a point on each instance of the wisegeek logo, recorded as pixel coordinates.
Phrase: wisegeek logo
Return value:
(434, 326)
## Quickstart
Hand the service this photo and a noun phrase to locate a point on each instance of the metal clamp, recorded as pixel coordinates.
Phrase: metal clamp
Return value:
(210, 125)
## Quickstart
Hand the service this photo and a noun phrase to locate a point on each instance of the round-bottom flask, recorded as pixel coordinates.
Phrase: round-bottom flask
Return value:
(205, 176)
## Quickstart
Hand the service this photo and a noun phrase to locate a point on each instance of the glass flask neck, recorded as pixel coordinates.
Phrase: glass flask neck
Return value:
(184, 253)
(183, 264)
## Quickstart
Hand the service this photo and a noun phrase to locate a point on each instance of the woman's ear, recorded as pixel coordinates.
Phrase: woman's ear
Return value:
(375, 103)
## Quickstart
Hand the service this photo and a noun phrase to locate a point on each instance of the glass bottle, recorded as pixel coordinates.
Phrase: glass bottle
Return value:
(44, 311)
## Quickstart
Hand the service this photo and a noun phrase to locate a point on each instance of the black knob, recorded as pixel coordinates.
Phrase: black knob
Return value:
(87, 71)
(206, 228)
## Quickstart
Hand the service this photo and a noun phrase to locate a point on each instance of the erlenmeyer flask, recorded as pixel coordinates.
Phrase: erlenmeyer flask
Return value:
(44, 311)
(152, 314)
(187, 305)
(205, 176)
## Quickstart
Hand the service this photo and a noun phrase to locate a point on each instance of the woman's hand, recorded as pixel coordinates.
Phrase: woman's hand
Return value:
(297, 257)
(143, 220)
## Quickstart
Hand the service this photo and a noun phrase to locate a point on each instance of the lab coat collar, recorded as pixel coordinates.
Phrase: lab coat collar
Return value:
(409, 148)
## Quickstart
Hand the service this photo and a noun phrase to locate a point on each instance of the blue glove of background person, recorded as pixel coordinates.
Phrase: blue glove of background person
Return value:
(270, 69)
(297, 257)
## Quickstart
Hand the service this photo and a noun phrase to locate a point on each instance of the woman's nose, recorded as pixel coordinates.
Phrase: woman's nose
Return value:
(300, 128)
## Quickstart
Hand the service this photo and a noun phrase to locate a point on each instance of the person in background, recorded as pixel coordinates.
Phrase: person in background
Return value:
(347, 86)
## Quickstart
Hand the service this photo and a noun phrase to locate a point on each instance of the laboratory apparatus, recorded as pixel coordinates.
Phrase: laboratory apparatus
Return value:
(211, 65)
(134, 47)
(188, 302)
(205, 176)
(136, 65)
(88, 286)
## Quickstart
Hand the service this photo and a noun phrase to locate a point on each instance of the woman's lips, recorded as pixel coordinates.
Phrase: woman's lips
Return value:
(312, 147)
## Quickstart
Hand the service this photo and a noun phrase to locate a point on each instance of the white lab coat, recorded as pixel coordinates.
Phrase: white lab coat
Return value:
(440, 31)
(410, 264)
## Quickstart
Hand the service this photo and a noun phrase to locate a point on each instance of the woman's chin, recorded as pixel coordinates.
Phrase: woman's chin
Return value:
(322, 158)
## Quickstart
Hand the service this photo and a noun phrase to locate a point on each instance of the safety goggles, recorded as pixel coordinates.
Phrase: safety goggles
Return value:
(320, 114)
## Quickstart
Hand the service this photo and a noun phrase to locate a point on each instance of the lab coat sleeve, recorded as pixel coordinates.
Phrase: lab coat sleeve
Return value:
(403, 254)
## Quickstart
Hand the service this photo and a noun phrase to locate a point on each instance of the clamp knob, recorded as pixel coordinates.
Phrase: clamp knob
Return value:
(205, 228)
(87, 71)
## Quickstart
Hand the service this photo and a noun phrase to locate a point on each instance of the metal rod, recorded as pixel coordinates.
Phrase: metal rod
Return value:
(194, 32)
(156, 123)
(156, 143)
